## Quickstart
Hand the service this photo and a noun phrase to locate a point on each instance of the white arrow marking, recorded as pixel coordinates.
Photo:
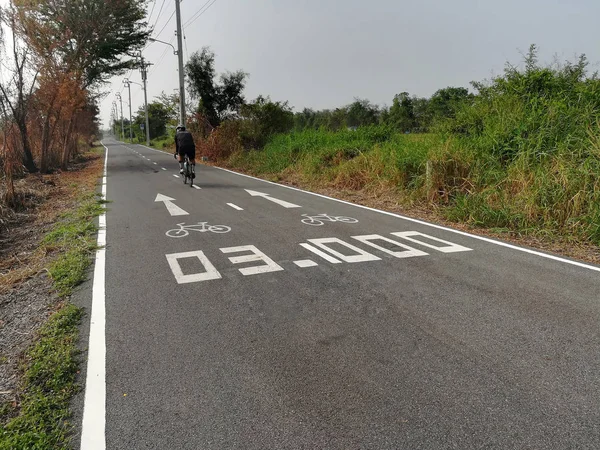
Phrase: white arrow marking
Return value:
(274, 200)
(173, 209)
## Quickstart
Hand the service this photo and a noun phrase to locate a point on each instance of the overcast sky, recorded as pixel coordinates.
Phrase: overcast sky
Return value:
(323, 53)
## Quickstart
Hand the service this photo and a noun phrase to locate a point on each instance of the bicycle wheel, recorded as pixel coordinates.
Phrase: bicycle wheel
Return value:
(177, 233)
(219, 229)
(344, 219)
(311, 221)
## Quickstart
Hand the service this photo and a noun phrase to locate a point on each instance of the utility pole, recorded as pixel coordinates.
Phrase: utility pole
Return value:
(181, 73)
(114, 114)
(128, 84)
(144, 68)
(122, 125)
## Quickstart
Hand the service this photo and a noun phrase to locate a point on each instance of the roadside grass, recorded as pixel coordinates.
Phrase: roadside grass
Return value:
(74, 238)
(39, 419)
(555, 195)
(50, 367)
(164, 143)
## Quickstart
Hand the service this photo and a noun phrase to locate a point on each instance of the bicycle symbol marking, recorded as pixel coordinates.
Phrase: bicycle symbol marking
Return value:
(201, 227)
(320, 219)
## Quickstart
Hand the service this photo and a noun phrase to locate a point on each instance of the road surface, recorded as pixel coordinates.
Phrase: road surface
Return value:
(248, 315)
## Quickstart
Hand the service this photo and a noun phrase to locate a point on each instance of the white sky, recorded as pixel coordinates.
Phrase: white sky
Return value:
(323, 53)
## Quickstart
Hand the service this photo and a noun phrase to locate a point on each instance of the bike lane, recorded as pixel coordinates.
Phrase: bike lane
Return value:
(259, 341)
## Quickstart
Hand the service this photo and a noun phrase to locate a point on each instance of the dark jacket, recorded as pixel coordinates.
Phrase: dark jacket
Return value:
(184, 140)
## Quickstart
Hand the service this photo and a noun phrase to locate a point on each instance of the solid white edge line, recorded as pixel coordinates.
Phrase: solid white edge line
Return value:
(421, 222)
(93, 426)
(235, 206)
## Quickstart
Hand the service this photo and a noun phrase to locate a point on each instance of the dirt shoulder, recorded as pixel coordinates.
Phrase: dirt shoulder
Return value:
(27, 295)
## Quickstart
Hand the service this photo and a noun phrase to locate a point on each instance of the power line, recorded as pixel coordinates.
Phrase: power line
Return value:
(165, 26)
(159, 11)
(201, 8)
(152, 11)
(187, 55)
(199, 13)
(162, 56)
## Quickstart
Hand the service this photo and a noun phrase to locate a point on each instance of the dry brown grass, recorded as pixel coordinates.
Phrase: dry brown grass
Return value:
(45, 199)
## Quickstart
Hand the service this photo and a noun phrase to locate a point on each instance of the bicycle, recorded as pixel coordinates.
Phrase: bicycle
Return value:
(320, 219)
(188, 171)
(202, 227)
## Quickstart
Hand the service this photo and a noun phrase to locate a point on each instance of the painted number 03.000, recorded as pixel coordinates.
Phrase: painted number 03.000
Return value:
(321, 247)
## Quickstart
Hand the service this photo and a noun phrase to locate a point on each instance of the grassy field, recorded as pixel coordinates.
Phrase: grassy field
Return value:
(520, 155)
(552, 195)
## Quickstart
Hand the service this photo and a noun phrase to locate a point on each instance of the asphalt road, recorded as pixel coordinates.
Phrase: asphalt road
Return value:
(281, 334)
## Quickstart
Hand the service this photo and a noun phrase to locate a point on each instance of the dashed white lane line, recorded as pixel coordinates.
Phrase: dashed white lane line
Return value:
(235, 206)
(163, 168)
(156, 164)
(196, 187)
(176, 176)
(305, 263)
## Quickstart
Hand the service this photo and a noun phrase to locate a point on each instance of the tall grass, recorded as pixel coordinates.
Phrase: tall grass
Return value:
(522, 155)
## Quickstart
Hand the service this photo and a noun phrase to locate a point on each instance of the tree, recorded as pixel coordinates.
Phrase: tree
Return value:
(158, 116)
(171, 105)
(444, 102)
(361, 112)
(263, 118)
(77, 45)
(402, 114)
(89, 37)
(217, 101)
(16, 94)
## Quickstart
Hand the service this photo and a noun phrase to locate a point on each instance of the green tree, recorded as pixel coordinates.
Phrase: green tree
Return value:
(88, 37)
(263, 118)
(361, 112)
(445, 102)
(402, 114)
(158, 117)
(217, 101)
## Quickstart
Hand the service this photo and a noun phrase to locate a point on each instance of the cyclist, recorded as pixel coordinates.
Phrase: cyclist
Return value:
(184, 145)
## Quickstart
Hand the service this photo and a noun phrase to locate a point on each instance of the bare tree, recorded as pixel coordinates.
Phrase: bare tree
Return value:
(16, 93)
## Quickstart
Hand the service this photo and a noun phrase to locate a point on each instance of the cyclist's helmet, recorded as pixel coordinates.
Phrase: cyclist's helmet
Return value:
(180, 128)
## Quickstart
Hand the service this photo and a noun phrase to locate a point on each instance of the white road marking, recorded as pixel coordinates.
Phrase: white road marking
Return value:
(432, 225)
(93, 427)
(211, 273)
(163, 168)
(268, 266)
(408, 253)
(156, 164)
(173, 209)
(321, 253)
(305, 263)
(235, 206)
(176, 176)
(274, 200)
(155, 150)
(448, 248)
(196, 187)
(360, 256)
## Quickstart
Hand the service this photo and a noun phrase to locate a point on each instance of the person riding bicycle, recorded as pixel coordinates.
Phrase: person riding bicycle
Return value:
(184, 145)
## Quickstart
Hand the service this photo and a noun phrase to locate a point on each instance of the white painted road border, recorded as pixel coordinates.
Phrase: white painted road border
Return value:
(93, 427)
(421, 222)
